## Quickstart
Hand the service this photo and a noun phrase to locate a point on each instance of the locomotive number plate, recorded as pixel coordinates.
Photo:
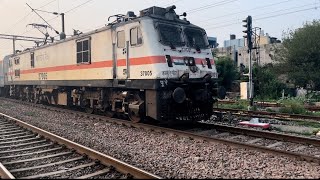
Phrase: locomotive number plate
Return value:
(43, 76)
(146, 73)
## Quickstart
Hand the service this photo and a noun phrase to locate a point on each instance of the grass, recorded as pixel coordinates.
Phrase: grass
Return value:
(243, 105)
(314, 132)
(290, 106)
(296, 106)
(308, 124)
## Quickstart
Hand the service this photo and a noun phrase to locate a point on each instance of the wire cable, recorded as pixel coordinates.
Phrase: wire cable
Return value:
(281, 10)
(78, 6)
(47, 4)
(267, 17)
(210, 6)
(174, 2)
(240, 12)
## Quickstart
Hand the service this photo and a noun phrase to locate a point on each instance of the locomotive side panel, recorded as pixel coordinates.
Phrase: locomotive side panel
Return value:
(61, 62)
(144, 56)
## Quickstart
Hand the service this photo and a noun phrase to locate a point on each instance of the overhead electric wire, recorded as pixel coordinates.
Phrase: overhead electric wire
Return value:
(43, 11)
(199, 8)
(18, 22)
(173, 3)
(210, 6)
(47, 4)
(23, 18)
(78, 6)
(69, 11)
(315, 8)
(43, 19)
(239, 12)
(267, 17)
(281, 10)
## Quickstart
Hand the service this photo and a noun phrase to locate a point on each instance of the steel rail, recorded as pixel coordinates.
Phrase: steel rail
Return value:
(271, 104)
(262, 114)
(92, 154)
(189, 135)
(180, 133)
(264, 134)
(4, 173)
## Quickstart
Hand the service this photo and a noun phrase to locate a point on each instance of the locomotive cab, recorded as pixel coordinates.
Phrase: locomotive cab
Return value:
(187, 78)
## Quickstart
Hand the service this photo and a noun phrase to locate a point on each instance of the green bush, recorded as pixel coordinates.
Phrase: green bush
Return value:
(242, 105)
(270, 110)
(227, 72)
(293, 106)
(266, 83)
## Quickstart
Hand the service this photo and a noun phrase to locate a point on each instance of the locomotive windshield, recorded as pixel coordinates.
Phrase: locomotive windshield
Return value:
(192, 37)
(170, 35)
(196, 38)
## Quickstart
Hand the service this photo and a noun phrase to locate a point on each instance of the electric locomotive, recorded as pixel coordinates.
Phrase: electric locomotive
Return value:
(153, 66)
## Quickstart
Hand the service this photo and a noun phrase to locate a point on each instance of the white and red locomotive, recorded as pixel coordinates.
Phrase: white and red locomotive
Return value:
(153, 66)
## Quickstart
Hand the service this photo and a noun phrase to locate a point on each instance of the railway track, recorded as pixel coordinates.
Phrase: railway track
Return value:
(27, 152)
(270, 104)
(307, 148)
(271, 115)
(298, 147)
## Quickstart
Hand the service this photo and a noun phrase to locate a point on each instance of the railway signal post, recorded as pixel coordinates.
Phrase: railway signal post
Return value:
(248, 35)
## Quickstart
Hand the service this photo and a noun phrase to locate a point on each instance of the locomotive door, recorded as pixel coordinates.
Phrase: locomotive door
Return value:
(10, 70)
(121, 53)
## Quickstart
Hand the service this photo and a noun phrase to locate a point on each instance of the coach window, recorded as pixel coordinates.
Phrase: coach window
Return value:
(135, 36)
(17, 60)
(32, 59)
(17, 73)
(83, 51)
(121, 39)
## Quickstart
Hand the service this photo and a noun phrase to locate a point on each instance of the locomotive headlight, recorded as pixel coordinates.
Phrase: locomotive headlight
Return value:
(186, 61)
(189, 61)
(192, 61)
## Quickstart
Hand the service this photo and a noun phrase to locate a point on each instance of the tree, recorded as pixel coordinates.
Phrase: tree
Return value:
(299, 57)
(227, 72)
(266, 83)
(215, 52)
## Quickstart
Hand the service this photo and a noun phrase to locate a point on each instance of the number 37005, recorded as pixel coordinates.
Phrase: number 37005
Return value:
(146, 73)
(43, 76)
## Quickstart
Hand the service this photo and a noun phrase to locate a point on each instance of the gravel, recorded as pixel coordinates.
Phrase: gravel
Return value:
(42, 162)
(28, 151)
(165, 155)
(65, 166)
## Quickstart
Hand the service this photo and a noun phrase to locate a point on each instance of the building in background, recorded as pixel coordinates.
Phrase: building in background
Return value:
(231, 48)
(237, 50)
(213, 42)
(234, 43)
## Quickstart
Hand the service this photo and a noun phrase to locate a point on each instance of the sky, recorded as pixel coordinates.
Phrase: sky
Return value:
(220, 18)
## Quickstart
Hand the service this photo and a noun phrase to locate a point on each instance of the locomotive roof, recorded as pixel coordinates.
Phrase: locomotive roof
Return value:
(156, 13)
